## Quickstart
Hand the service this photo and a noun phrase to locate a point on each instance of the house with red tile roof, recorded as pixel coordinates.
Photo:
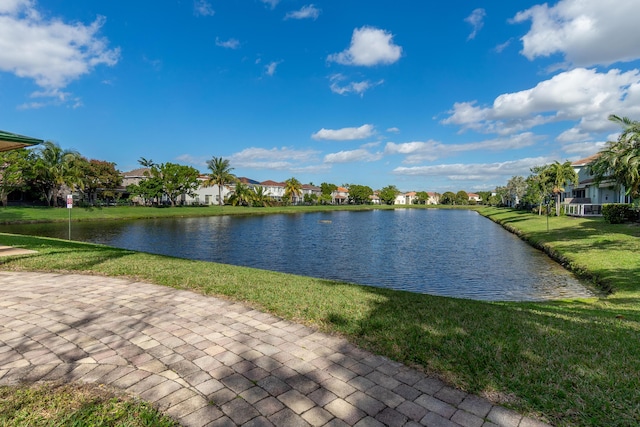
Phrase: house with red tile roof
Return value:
(340, 196)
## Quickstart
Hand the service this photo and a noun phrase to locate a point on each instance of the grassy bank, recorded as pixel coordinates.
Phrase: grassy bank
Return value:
(44, 214)
(569, 362)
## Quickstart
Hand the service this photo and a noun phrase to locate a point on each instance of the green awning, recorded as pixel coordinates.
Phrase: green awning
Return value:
(12, 141)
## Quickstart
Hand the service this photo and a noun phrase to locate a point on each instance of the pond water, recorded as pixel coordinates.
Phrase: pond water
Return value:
(455, 253)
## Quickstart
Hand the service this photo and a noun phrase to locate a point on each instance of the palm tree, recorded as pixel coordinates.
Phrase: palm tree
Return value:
(55, 167)
(242, 195)
(260, 197)
(620, 159)
(292, 188)
(560, 174)
(220, 175)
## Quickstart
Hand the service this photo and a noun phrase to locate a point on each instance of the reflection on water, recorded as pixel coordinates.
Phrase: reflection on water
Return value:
(439, 252)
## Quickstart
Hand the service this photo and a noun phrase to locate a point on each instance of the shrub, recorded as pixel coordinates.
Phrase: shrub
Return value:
(617, 213)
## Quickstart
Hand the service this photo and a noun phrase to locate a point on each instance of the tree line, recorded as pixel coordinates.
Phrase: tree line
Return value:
(48, 169)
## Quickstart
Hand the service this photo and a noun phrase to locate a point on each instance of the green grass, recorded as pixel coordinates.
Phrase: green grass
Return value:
(571, 362)
(78, 405)
(16, 215)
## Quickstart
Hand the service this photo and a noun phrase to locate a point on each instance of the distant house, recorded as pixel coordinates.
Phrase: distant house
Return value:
(434, 198)
(405, 198)
(586, 198)
(311, 190)
(134, 176)
(340, 196)
(273, 189)
(474, 197)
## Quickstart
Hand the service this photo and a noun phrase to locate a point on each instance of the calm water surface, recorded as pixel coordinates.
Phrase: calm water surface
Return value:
(439, 252)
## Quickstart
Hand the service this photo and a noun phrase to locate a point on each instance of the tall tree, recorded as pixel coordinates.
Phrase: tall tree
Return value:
(538, 187)
(327, 188)
(54, 168)
(462, 198)
(178, 179)
(620, 160)
(559, 175)
(516, 187)
(14, 171)
(99, 175)
(388, 194)
(220, 175)
(360, 194)
(448, 198)
(422, 198)
(292, 189)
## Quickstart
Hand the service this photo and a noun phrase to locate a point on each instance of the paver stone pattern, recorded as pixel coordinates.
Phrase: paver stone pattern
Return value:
(207, 361)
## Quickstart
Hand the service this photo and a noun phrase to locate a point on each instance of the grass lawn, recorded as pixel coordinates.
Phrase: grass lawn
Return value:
(79, 405)
(571, 362)
(45, 214)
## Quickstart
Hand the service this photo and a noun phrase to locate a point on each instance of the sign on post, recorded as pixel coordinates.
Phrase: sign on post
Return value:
(69, 206)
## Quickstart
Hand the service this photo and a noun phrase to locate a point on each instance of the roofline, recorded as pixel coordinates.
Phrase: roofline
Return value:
(12, 141)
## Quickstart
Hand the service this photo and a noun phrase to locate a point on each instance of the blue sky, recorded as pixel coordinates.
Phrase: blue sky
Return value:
(424, 95)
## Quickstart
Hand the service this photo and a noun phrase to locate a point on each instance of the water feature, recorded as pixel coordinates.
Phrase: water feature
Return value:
(455, 253)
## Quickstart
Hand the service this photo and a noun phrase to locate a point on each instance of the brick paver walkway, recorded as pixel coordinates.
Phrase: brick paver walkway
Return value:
(206, 361)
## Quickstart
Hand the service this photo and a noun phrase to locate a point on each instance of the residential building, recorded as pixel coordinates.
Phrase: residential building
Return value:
(340, 196)
(405, 198)
(586, 197)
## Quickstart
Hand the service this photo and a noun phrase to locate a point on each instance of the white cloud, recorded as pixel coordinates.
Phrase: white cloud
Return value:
(585, 32)
(393, 130)
(306, 12)
(275, 158)
(203, 8)
(431, 150)
(503, 46)
(476, 19)
(580, 150)
(476, 171)
(270, 68)
(583, 95)
(369, 46)
(351, 87)
(228, 44)
(51, 52)
(344, 134)
(192, 160)
(271, 3)
(359, 155)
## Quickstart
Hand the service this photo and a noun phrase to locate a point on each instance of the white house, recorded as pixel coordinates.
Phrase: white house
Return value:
(586, 198)
(340, 196)
(405, 198)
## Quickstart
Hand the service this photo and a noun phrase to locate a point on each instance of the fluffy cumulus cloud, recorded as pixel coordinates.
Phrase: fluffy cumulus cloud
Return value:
(476, 19)
(583, 95)
(275, 158)
(476, 171)
(306, 12)
(49, 51)
(584, 32)
(203, 8)
(418, 151)
(349, 156)
(369, 46)
(344, 134)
